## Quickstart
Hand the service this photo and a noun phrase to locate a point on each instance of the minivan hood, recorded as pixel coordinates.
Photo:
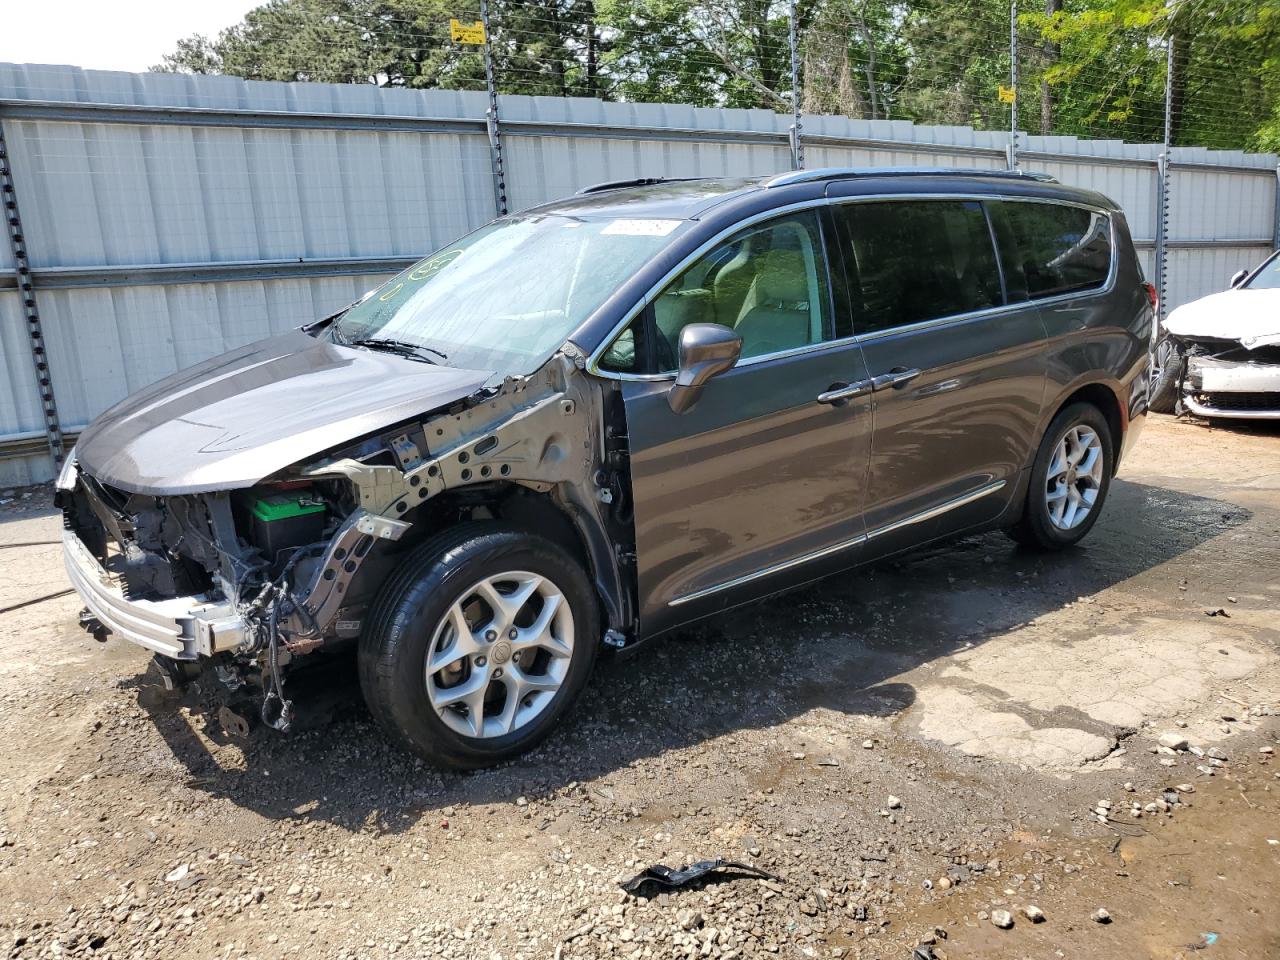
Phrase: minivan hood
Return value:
(1250, 316)
(242, 416)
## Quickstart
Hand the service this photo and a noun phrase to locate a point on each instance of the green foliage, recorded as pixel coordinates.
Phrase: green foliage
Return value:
(1088, 67)
(1110, 78)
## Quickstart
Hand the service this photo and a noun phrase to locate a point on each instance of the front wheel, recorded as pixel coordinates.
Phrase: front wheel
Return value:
(478, 644)
(1069, 480)
(1166, 377)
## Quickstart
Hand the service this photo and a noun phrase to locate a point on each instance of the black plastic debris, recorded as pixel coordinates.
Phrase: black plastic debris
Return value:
(923, 952)
(663, 876)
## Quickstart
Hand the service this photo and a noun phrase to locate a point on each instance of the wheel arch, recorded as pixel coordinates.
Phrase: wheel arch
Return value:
(1106, 399)
(553, 514)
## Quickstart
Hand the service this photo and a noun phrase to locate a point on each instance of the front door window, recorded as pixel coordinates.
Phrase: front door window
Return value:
(768, 283)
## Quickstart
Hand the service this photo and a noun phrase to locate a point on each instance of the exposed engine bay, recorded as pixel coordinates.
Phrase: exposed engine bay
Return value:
(240, 583)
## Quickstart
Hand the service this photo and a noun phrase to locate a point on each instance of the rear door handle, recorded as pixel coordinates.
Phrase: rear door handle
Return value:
(896, 377)
(838, 394)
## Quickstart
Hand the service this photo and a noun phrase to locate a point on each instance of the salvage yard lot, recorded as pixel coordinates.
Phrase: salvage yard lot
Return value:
(996, 695)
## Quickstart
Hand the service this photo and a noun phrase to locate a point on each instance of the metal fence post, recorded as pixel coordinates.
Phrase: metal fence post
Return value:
(491, 119)
(797, 145)
(1163, 187)
(35, 334)
(1275, 221)
(1013, 80)
(1162, 227)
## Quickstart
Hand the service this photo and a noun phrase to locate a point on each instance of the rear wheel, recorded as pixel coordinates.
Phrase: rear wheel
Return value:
(478, 644)
(1069, 480)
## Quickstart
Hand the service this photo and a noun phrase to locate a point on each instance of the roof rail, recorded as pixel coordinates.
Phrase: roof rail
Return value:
(854, 173)
(634, 182)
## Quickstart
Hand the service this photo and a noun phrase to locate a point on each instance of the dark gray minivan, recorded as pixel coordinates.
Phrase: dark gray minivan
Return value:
(606, 417)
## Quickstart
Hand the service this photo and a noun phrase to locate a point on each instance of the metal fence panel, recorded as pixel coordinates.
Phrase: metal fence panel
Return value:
(170, 217)
(20, 410)
(1198, 272)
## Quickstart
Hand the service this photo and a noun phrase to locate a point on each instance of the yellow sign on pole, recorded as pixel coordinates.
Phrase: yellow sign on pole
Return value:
(1008, 94)
(467, 32)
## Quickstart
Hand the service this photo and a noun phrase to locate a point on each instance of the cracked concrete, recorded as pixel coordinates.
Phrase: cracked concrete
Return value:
(1009, 698)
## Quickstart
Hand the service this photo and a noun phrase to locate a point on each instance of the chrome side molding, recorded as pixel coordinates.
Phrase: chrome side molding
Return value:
(934, 511)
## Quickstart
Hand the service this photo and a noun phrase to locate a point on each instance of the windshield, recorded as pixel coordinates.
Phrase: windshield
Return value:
(505, 297)
(1268, 278)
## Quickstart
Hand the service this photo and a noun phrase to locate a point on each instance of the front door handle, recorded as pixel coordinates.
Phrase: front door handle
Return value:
(896, 377)
(838, 393)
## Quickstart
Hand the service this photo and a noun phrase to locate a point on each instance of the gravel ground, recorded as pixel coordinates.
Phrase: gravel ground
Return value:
(910, 749)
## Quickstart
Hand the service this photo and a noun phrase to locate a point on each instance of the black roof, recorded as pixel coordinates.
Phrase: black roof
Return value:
(691, 198)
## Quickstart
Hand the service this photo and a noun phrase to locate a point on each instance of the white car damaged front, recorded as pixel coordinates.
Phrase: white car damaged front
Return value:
(1220, 356)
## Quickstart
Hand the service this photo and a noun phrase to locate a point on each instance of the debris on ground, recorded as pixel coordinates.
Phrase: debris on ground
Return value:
(663, 876)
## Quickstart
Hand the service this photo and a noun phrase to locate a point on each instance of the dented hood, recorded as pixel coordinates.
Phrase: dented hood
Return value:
(1250, 316)
(233, 420)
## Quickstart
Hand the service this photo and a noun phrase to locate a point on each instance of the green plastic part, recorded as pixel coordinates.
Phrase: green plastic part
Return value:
(284, 506)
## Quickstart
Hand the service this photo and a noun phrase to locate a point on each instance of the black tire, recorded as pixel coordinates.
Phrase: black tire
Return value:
(1035, 528)
(1165, 378)
(410, 605)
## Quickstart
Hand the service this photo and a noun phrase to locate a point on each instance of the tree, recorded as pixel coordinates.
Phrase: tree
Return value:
(1109, 76)
(1098, 66)
(854, 59)
(726, 52)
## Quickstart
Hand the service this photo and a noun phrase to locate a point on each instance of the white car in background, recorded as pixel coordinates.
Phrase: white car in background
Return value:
(1219, 356)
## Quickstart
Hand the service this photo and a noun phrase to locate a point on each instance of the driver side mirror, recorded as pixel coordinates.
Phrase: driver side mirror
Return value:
(1238, 278)
(706, 350)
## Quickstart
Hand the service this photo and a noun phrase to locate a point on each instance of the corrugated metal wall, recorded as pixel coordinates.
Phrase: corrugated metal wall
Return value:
(171, 217)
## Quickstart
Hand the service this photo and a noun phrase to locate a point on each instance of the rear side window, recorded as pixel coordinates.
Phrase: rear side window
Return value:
(914, 260)
(1058, 249)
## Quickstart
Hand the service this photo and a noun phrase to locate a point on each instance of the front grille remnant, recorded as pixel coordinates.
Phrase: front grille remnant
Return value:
(1241, 402)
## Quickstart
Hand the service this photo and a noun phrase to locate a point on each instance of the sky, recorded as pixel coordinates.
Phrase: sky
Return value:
(108, 34)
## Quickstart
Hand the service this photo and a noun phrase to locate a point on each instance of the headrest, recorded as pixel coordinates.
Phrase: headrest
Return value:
(782, 278)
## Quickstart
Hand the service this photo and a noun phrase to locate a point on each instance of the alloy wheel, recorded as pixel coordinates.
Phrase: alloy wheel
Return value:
(499, 654)
(1074, 478)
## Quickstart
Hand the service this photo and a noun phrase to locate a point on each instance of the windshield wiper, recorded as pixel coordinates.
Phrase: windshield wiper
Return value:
(404, 348)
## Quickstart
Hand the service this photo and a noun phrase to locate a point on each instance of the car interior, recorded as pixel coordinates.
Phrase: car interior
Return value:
(764, 283)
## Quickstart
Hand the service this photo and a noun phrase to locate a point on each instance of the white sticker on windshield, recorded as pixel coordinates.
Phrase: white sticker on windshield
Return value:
(640, 228)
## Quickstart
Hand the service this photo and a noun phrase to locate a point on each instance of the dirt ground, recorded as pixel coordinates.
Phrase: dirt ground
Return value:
(910, 749)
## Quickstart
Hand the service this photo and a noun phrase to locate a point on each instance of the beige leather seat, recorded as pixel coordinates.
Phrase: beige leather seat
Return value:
(780, 317)
(675, 310)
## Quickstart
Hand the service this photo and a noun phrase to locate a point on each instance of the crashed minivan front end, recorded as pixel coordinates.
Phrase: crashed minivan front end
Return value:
(235, 584)
(255, 508)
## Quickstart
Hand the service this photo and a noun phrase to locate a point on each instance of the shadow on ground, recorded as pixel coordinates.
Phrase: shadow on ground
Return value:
(836, 644)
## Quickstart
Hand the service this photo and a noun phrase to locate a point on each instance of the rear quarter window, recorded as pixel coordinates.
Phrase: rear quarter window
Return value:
(1057, 248)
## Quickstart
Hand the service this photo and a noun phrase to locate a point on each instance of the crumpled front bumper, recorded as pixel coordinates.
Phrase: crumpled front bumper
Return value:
(184, 628)
(1232, 389)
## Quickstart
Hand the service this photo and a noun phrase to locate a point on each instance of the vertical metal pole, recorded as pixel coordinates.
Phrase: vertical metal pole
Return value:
(1162, 223)
(35, 334)
(1275, 222)
(797, 144)
(1163, 185)
(491, 119)
(1013, 80)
